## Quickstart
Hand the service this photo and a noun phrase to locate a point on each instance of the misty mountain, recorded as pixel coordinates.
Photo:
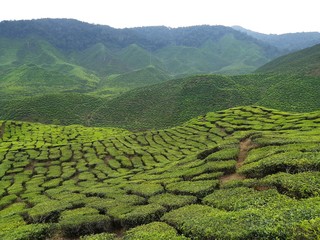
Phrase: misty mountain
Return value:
(288, 41)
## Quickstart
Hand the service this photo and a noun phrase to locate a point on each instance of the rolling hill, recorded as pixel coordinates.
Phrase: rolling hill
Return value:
(218, 176)
(304, 62)
(105, 51)
(169, 103)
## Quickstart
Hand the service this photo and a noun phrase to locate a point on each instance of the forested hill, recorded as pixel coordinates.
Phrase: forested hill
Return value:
(70, 34)
(105, 50)
(304, 62)
(289, 41)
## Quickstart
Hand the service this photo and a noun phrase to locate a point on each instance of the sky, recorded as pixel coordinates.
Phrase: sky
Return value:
(265, 16)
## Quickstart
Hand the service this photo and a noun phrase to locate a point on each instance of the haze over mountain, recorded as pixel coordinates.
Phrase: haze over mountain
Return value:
(288, 41)
(305, 62)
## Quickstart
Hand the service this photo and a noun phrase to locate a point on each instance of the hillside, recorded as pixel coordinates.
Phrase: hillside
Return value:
(218, 176)
(169, 103)
(288, 42)
(304, 62)
(105, 51)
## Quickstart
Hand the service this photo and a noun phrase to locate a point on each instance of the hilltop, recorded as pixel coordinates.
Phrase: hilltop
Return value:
(218, 176)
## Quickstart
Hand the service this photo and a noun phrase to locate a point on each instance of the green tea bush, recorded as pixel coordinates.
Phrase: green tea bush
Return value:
(28, 232)
(142, 214)
(224, 154)
(47, 211)
(83, 221)
(100, 236)
(153, 231)
(307, 229)
(145, 189)
(197, 188)
(300, 185)
(284, 162)
(172, 201)
(234, 199)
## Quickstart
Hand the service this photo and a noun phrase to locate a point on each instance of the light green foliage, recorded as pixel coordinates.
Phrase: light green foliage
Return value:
(82, 221)
(239, 198)
(153, 231)
(197, 188)
(145, 189)
(87, 180)
(142, 214)
(307, 229)
(47, 210)
(172, 201)
(28, 232)
(100, 236)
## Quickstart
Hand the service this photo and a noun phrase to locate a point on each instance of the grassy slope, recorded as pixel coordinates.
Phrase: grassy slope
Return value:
(90, 180)
(172, 102)
(304, 62)
(227, 55)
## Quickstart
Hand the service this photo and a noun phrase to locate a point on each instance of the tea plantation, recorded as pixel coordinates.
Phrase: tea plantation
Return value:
(242, 173)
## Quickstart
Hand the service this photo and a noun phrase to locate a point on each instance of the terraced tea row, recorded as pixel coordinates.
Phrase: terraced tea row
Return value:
(74, 181)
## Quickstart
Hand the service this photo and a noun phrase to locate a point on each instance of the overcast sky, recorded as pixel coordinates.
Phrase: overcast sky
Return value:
(266, 16)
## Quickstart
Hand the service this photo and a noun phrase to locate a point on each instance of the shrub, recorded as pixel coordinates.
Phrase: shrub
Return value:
(197, 188)
(224, 154)
(100, 236)
(300, 185)
(145, 189)
(142, 214)
(153, 231)
(171, 201)
(307, 229)
(28, 232)
(234, 199)
(47, 211)
(83, 221)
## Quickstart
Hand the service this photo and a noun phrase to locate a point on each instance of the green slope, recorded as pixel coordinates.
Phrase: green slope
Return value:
(218, 176)
(170, 103)
(304, 62)
(138, 78)
(107, 51)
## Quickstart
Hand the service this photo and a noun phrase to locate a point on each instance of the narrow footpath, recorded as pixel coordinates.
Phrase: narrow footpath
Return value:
(244, 147)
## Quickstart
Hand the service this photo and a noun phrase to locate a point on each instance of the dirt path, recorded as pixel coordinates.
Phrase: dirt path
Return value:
(244, 147)
(3, 125)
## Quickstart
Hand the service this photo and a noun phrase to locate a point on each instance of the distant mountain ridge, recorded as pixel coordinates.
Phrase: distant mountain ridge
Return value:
(288, 41)
(103, 49)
